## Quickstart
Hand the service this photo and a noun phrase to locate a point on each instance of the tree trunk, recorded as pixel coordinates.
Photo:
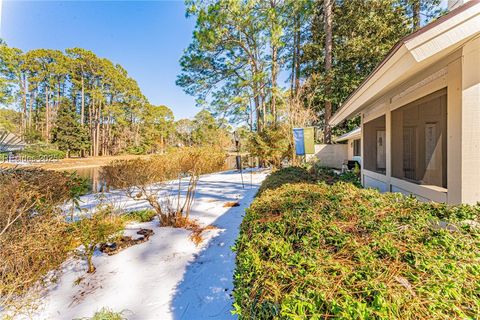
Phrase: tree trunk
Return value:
(274, 84)
(258, 113)
(57, 104)
(152, 200)
(294, 81)
(264, 107)
(251, 114)
(30, 116)
(294, 57)
(297, 54)
(24, 105)
(416, 14)
(91, 267)
(97, 131)
(47, 115)
(82, 110)
(104, 137)
(90, 125)
(274, 49)
(328, 6)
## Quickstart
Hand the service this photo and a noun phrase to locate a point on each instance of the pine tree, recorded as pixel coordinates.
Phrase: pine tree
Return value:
(68, 134)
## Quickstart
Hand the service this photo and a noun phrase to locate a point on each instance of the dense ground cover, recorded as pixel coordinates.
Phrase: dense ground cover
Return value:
(338, 251)
(286, 175)
(40, 151)
(311, 173)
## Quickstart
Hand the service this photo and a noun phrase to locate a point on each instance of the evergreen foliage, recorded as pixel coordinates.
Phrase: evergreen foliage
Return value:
(239, 48)
(318, 251)
(203, 130)
(272, 145)
(108, 104)
(68, 134)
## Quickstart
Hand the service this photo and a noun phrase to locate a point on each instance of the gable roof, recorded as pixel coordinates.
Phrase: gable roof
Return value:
(412, 54)
(10, 142)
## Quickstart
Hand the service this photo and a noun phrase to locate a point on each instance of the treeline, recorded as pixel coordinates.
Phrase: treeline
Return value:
(83, 104)
(79, 100)
(242, 52)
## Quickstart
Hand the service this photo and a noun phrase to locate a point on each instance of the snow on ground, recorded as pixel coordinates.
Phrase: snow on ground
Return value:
(167, 277)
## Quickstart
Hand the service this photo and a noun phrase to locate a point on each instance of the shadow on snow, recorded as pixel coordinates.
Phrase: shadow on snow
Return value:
(206, 288)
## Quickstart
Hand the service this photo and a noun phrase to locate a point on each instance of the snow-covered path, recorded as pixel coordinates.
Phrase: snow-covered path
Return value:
(167, 277)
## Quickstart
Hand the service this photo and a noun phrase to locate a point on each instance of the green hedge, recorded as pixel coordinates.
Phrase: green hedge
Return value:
(310, 174)
(336, 251)
(39, 151)
(324, 174)
(144, 215)
(286, 175)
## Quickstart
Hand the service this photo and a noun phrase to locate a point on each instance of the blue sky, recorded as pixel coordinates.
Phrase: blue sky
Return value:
(146, 37)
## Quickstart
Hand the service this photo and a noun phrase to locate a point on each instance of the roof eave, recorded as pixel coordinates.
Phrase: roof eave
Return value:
(354, 134)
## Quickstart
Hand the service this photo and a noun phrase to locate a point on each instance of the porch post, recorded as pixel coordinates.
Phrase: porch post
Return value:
(470, 122)
(454, 132)
(362, 147)
(388, 137)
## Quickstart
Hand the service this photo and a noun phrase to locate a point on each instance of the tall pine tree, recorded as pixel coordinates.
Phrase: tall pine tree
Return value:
(68, 134)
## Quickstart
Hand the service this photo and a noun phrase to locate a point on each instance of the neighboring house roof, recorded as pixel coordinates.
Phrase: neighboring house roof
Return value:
(413, 54)
(10, 142)
(354, 134)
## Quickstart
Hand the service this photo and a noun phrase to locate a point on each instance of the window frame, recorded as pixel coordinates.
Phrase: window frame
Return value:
(357, 147)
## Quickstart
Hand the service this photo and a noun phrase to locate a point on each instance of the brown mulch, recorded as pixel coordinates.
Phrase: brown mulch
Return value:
(231, 204)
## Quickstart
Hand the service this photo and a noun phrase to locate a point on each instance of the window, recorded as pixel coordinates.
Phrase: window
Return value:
(356, 147)
(375, 156)
(419, 140)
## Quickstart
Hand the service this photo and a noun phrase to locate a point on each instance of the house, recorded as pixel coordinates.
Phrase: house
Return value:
(9, 142)
(354, 146)
(420, 112)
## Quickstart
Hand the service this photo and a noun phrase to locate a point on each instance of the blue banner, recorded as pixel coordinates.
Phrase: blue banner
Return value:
(298, 137)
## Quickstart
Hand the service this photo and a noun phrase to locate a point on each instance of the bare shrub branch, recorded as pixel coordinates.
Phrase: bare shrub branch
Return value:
(34, 237)
(152, 180)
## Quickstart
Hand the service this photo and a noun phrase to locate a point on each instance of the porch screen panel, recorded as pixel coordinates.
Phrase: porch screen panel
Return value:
(375, 149)
(419, 140)
(409, 154)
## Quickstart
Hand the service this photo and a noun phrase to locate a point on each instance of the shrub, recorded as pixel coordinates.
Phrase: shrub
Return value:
(42, 151)
(33, 233)
(107, 314)
(327, 175)
(320, 251)
(139, 215)
(136, 150)
(46, 189)
(272, 145)
(28, 253)
(93, 230)
(143, 179)
(285, 175)
(195, 161)
(152, 179)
